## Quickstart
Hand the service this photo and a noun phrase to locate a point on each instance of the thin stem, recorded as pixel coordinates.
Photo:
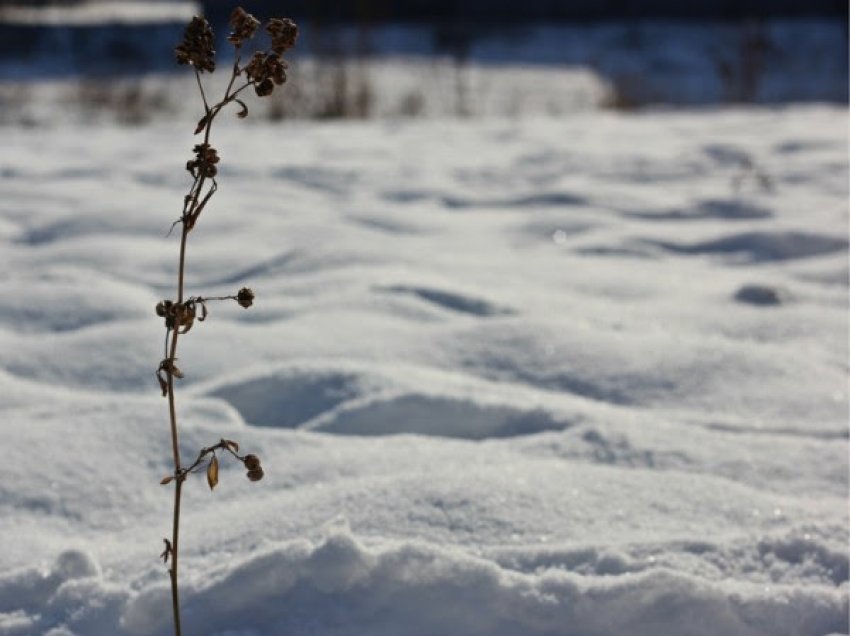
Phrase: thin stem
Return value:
(191, 207)
(204, 299)
(175, 535)
(180, 274)
(235, 72)
(172, 410)
(175, 447)
(241, 88)
(201, 88)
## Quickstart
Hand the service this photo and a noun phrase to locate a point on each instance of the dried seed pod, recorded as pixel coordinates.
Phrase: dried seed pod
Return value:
(256, 474)
(212, 472)
(264, 88)
(252, 462)
(245, 297)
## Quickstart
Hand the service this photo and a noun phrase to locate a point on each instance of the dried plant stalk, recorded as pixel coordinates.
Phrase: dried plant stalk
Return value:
(265, 70)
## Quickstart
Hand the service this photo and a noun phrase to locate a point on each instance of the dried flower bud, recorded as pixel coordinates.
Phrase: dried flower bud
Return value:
(256, 474)
(165, 309)
(252, 462)
(244, 26)
(170, 368)
(245, 297)
(196, 48)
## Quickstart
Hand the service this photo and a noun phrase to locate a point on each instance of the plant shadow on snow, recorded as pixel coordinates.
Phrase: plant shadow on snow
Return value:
(452, 301)
(268, 267)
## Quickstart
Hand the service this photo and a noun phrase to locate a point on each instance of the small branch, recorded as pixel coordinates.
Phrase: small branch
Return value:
(242, 88)
(235, 72)
(204, 299)
(224, 444)
(192, 219)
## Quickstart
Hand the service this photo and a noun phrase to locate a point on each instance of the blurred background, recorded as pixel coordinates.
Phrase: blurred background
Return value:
(112, 59)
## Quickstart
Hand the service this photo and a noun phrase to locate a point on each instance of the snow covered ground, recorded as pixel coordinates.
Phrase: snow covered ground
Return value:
(579, 376)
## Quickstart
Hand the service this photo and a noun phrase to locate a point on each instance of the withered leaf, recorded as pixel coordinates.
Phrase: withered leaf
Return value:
(162, 385)
(177, 373)
(232, 445)
(242, 114)
(166, 480)
(212, 472)
(201, 124)
(187, 325)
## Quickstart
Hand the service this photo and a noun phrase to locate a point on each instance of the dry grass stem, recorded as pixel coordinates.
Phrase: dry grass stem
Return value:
(265, 71)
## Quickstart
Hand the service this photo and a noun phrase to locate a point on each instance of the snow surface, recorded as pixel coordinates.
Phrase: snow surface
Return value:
(584, 376)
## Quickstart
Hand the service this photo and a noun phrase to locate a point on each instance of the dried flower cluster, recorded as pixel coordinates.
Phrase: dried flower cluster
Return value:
(197, 47)
(265, 70)
(204, 162)
(268, 69)
(284, 32)
(244, 26)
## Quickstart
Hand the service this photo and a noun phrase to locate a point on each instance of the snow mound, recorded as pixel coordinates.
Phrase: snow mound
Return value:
(351, 400)
(341, 586)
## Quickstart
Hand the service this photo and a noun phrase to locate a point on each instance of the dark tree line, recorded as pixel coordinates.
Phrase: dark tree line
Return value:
(507, 12)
